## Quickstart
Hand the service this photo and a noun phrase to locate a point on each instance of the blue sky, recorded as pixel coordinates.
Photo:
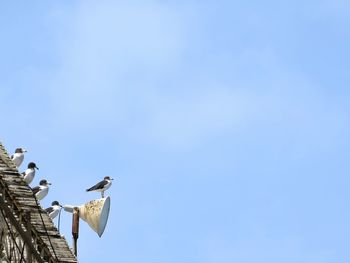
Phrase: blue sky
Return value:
(224, 123)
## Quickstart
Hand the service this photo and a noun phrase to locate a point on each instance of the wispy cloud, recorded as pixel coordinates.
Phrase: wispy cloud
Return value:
(262, 248)
(111, 76)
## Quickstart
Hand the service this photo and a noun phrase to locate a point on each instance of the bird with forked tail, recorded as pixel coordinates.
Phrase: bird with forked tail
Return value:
(42, 189)
(18, 156)
(101, 186)
(54, 209)
(28, 175)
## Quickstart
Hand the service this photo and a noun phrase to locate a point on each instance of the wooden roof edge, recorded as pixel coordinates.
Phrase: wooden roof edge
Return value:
(11, 168)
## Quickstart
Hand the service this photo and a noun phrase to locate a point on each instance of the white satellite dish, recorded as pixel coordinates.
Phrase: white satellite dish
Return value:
(95, 213)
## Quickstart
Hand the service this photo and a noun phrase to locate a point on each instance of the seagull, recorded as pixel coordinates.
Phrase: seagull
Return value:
(29, 174)
(54, 209)
(42, 189)
(101, 186)
(18, 156)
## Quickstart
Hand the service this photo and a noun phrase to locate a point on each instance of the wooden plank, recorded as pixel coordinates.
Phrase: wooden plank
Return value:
(22, 200)
(18, 227)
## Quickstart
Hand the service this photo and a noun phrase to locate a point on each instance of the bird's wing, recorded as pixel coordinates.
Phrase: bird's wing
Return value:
(36, 189)
(99, 185)
(49, 209)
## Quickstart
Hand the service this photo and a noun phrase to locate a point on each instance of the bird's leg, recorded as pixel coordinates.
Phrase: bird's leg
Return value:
(102, 194)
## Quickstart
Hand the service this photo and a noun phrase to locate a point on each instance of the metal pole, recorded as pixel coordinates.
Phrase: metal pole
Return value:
(75, 230)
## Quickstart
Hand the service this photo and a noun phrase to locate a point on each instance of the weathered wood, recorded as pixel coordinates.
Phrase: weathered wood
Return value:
(18, 227)
(38, 232)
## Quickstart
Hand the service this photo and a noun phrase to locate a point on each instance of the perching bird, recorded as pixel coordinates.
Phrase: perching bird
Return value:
(54, 209)
(101, 186)
(18, 156)
(42, 189)
(29, 174)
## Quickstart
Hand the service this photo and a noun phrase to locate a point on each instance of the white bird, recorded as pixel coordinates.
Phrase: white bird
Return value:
(28, 175)
(101, 186)
(42, 189)
(18, 156)
(54, 209)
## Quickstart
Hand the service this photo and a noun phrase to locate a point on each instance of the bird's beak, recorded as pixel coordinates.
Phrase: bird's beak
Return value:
(49, 183)
(37, 167)
(24, 150)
